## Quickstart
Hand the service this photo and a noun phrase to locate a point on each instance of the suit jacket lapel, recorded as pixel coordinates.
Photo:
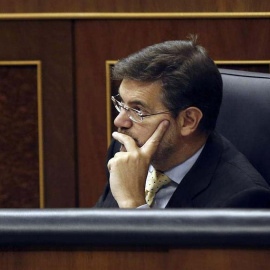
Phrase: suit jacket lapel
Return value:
(200, 175)
(108, 200)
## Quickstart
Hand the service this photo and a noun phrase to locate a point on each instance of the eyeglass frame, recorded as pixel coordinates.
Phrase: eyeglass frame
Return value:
(127, 109)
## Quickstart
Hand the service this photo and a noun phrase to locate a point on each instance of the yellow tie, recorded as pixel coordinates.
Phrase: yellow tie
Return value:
(153, 184)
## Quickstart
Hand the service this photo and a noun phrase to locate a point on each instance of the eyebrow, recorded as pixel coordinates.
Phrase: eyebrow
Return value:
(137, 102)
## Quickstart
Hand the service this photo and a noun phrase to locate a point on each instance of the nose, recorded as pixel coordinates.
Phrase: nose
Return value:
(122, 120)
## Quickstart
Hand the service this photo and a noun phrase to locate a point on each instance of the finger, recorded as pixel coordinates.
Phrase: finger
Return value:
(109, 165)
(117, 154)
(120, 155)
(126, 140)
(153, 142)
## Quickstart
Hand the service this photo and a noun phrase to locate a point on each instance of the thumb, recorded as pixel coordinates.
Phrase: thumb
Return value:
(153, 142)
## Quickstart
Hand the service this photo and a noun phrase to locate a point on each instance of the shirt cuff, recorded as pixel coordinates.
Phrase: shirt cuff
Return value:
(144, 206)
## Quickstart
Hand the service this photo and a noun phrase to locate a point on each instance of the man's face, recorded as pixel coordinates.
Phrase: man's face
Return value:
(146, 98)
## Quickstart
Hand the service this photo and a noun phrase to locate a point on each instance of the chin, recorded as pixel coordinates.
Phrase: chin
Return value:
(123, 148)
(138, 143)
(162, 155)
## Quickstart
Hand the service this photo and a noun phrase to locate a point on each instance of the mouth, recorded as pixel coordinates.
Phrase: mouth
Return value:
(122, 148)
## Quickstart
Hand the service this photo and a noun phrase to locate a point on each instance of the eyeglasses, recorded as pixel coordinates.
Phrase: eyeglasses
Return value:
(133, 114)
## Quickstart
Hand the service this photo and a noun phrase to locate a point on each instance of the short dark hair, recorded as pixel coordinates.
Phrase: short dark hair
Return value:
(189, 77)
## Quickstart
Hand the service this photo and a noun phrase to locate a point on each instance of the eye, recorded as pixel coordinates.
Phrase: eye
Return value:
(141, 110)
(137, 108)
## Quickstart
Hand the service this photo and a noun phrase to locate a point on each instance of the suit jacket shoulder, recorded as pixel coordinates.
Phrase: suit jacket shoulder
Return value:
(107, 200)
(221, 177)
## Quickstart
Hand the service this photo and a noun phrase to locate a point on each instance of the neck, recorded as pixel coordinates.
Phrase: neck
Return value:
(189, 147)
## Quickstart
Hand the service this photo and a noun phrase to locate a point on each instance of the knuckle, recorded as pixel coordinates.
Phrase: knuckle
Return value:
(117, 154)
(136, 155)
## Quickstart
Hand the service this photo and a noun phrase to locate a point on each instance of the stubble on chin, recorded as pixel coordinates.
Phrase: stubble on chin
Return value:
(162, 155)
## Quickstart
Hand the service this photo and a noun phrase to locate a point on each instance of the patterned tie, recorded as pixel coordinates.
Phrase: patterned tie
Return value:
(153, 184)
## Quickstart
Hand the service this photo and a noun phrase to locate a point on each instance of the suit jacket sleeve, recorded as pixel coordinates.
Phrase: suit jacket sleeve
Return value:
(106, 200)
(257, 197)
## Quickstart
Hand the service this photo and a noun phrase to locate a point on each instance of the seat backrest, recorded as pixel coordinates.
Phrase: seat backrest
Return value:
(245, 116)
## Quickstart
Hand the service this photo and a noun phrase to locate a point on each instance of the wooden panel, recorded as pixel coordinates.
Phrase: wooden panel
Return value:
(19, 144)
(134, 6)
(101, 40)
(216, 259)
(50, 42)
(263, 68)
(220, 259)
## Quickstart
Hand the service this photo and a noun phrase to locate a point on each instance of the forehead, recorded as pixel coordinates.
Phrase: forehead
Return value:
(147, 92)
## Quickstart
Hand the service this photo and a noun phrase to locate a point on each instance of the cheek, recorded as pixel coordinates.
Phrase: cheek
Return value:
(143, 134)
(171, 135)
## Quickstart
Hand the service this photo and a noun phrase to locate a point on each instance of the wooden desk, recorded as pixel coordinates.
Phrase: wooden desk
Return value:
(174, 239)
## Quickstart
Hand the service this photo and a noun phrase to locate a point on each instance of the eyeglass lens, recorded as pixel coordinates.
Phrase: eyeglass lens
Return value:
(133, 115)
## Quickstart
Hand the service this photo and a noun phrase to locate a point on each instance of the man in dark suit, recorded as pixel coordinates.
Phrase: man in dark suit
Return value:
(168, 104)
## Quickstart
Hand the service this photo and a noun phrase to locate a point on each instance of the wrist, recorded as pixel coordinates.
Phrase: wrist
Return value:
(131, 203)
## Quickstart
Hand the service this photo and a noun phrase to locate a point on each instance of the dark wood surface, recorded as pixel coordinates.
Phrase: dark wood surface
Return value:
(19, 144)
(134, 6)
(50, 42)
(100, 40)
(135, 258)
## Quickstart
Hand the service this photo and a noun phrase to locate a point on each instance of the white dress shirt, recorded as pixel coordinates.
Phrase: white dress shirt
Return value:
(176, 174)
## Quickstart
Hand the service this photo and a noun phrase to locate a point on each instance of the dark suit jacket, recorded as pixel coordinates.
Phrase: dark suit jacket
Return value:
(221, 178)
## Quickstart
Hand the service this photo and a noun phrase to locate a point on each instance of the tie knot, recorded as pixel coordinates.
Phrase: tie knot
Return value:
(156, 180)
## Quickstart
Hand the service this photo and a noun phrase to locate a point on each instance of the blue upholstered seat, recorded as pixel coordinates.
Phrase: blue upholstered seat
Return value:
(245, 116)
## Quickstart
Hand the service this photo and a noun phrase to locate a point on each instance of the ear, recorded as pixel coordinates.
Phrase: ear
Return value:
(189, 120)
